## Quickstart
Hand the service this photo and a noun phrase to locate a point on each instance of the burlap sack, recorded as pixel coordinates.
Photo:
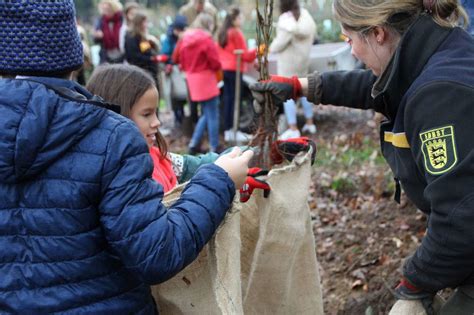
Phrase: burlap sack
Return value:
(404, 307)
(262, 259)
(279, 268)
(210, 284)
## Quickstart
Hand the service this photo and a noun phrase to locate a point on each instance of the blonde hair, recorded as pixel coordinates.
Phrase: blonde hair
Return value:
(362, 15)
(114, 4)
(204, 21)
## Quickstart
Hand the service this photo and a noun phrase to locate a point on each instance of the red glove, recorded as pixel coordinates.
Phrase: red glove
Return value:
(159, 58)
(252, 183)
(292, 82)
(288, 149)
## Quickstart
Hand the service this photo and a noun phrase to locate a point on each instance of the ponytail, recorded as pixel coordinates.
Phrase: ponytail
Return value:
(448, 13)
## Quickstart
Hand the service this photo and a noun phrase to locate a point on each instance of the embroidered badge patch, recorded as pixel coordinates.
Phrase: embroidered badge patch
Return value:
(439, 149)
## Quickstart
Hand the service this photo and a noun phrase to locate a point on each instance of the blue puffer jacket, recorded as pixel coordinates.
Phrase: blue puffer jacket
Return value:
(82, 227)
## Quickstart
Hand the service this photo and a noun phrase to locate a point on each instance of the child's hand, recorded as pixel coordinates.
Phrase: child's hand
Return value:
(235, 164)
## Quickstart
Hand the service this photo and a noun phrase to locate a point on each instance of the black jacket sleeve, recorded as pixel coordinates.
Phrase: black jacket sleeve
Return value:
(348, 88)
(438, 122)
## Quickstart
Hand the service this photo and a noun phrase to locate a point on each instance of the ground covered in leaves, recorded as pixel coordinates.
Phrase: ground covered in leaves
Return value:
(362, 236)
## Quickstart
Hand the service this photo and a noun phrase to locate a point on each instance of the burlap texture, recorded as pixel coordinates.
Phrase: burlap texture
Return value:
(402, 307)
(262, 259)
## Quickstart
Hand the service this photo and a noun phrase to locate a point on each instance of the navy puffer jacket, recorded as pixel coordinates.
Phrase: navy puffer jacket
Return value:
(82, 227)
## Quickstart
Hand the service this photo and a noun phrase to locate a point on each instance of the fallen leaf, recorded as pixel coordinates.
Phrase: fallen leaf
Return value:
(383, 259)
(356, 284)
(404, 226)
(365, 288)
(398, 242)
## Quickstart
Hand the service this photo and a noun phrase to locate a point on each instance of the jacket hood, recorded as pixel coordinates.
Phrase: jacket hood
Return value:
(41, 124)
(194, 37)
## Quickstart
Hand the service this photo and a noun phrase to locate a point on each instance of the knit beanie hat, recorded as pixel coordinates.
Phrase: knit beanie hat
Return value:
(39, 37)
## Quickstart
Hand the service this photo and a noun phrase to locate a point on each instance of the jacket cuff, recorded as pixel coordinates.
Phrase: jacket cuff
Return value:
(315, 84)
(414, 276)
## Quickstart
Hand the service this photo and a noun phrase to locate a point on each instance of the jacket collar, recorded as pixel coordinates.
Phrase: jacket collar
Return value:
(71, 90)
(416, 47)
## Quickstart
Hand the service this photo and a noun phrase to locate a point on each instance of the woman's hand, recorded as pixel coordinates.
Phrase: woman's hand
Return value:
(280, 88)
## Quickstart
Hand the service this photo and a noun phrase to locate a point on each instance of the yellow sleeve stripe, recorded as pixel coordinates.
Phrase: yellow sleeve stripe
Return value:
(398, 140)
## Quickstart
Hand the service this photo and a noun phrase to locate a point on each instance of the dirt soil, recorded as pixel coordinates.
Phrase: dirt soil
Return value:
(362, 235)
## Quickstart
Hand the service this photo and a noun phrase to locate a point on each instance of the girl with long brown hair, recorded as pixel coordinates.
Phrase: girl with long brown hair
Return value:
(142, 50)
(134, 90)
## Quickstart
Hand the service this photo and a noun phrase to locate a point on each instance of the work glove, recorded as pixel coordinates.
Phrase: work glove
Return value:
(405, 290)
(252, 183)
(159, 58)
(280, 89)
(289, 148)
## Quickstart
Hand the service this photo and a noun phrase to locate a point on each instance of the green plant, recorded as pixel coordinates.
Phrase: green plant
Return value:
(343, 185)
(329, 31)
(344, 156)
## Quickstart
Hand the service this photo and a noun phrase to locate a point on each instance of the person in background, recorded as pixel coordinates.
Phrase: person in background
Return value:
(135, 91)
(295, 34)
(139, 49)
(80, 75)
(194, 7)
(129, 12)
(197, 55)
(83, 227)
(107, 31)
(191, 10)
(230, 38)
(421, 78)
(173, 34)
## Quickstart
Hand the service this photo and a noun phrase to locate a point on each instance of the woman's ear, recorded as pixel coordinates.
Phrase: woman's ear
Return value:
(380, 34)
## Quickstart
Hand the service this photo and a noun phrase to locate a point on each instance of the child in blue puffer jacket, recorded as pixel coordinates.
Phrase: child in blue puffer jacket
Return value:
(134, 90)
(82, 224)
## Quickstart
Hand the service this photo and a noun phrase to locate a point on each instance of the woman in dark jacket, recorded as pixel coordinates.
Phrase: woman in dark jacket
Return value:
(421, 79)
(140, 49)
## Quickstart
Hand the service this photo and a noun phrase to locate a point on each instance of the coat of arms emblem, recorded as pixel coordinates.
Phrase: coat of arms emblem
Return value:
(439, 150)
